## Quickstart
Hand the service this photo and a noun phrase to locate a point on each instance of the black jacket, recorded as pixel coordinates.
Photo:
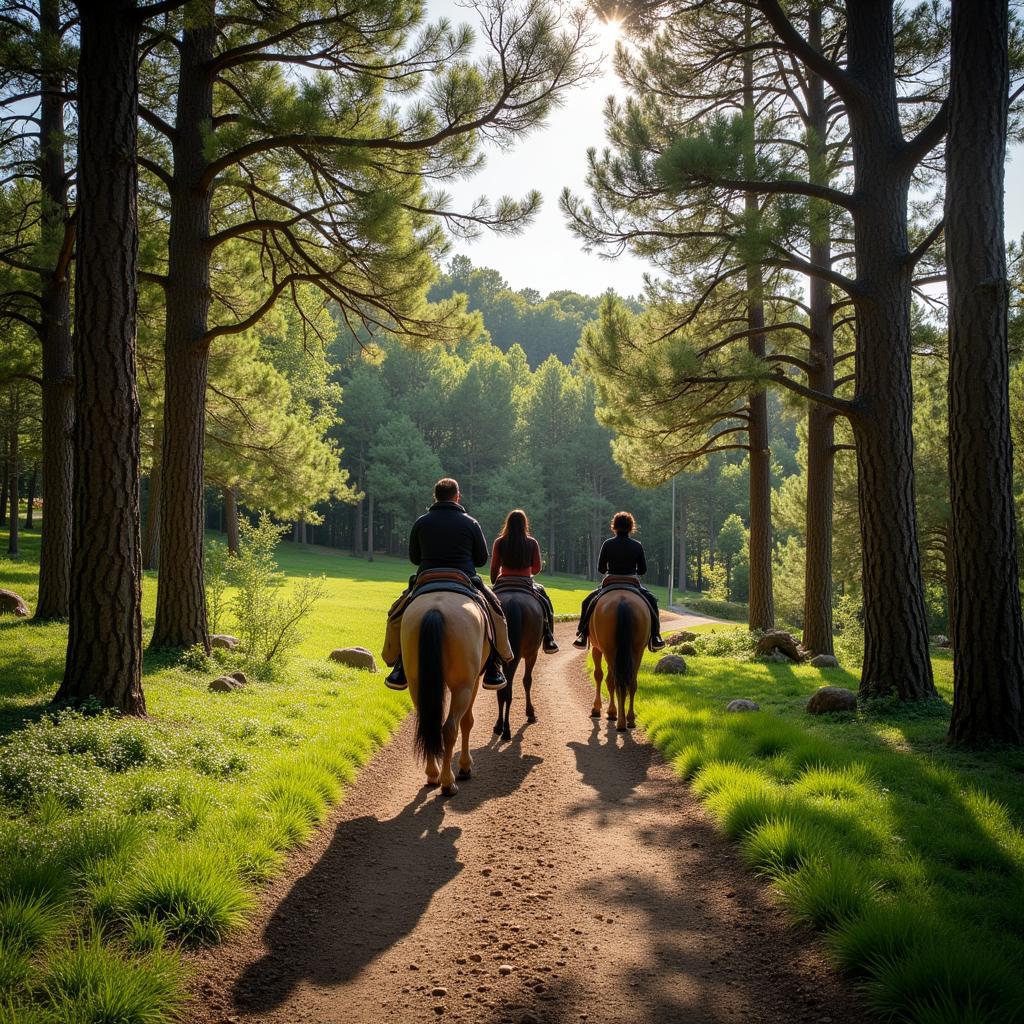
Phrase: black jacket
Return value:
(622, 556)
(447, 537)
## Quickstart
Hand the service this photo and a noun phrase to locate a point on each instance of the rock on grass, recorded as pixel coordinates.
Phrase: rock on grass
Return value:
(355, 657)
(830, 699)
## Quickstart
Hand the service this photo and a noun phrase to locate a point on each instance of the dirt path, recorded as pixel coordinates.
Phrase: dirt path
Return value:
(573, 855)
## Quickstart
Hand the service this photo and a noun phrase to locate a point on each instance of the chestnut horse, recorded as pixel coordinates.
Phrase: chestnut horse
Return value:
(444, 647)
(525, 631)
(619, 630)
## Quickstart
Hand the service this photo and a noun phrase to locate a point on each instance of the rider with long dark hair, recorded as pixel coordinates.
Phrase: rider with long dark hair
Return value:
(517, 553)
(621, 555)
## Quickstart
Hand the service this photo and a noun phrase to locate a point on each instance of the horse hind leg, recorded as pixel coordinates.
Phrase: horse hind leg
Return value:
(465, 757)
(531, 713)
(595, 711)
(631, 715)
(611, 697)
(459, 706)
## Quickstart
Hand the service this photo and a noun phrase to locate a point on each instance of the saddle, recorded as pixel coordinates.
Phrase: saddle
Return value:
(452, 581)
(631, 583)
(518, 585)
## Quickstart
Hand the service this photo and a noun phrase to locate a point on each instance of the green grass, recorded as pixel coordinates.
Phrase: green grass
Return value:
(907, 854)
(122, 840)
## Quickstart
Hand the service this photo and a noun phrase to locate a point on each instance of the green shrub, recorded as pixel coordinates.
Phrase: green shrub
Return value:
(827, 890)
(14, 967)
(727, 643)
(89, 983)
(780, 844)
(191, 891)
(27, 921)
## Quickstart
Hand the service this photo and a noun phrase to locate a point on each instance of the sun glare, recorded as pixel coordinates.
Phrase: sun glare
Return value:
(610, 29)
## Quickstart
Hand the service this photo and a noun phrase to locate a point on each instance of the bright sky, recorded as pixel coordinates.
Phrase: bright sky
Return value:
(546, 256)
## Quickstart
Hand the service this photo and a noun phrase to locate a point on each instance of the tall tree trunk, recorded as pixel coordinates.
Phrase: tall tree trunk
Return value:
(13, 469)
(369, 530)
(302, 529)
(820, 419)
(357, 529)
(761, 607)
(985, 618)
(896, 656)
(681, 573)
(700, 565)
(58, 403)
(231, 518)
(181, 596)
(31, 497)
(4, 481)
(151, 534)
(104, 655)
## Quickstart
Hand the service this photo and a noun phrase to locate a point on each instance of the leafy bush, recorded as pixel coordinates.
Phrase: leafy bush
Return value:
(727, 643)
(268, 622)
(849, 629)
(217, 574)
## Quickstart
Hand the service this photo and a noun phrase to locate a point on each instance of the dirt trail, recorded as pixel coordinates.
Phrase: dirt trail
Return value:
(573, 855)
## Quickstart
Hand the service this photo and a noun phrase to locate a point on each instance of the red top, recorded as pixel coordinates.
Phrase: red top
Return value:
(498, 569)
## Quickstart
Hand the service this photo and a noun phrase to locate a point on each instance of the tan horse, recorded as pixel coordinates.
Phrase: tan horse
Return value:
(619, 629)
(444, 646)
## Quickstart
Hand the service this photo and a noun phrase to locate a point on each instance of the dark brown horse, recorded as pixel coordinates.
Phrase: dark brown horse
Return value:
(619, 628)
(525, 632)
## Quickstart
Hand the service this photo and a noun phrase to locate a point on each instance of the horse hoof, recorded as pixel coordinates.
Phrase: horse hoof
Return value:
(595, 713)
(497, 729)
(531, 717)
(611, 716)
(431, 783)
(507, 734)
(621, 728)
(464, 773)
(449, 790)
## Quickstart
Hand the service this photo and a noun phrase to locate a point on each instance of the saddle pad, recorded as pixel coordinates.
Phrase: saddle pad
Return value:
(631, 584)
(523, 583)
(437, 575)
(453, 587)
(621, 581)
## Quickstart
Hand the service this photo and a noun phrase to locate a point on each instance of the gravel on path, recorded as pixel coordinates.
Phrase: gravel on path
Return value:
(572, 879)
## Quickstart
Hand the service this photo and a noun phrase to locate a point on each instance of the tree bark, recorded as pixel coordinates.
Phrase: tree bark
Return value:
(986, 628)
(31, 497)
(369, 530)
(4, 480)
(761, 607)
(181, 596)
(231, 518)
(817, 636)
(151, 536)
(896, 656)
(104, 654)
(58, 403)
(13, 487)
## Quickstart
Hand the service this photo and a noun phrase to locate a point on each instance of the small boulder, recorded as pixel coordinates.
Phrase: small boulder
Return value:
(224, 641)
(13, 604)
(742, 704)
(355, 657)
(941, 641)
(684, 636)
(685, 649)
(779, 640)
(777, 658)
(671, 664)
(829, 699)
(239, 677)
(225, 684)
(824, 661)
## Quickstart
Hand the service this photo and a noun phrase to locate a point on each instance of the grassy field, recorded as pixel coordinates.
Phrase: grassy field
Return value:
(907, 854)
(121, 841)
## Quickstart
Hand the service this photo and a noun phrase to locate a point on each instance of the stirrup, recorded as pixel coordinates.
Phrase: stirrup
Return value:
(550, 647)
(395, 679)
(657, 643)
(498, 680)
(580, 642)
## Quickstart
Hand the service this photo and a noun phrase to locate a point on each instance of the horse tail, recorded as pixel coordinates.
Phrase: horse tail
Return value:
(623, 667)
(430, 703)
(514, 619)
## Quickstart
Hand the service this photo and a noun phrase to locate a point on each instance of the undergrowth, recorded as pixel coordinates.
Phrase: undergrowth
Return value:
(908, 855)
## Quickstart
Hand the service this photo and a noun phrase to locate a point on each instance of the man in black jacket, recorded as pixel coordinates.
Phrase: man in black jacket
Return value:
(447, 537)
